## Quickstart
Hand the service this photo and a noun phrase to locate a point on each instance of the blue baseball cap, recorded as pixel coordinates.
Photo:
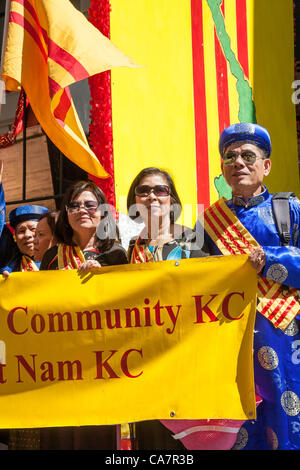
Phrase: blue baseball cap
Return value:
(245, 131)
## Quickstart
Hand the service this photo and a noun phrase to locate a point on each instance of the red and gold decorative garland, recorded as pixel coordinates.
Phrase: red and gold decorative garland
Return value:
(101, 134)
(9, 137)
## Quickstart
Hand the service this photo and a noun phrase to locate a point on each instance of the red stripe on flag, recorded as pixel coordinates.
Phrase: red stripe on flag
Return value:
(63, 106)
(55, 52)
(201, 138)
(16, 18)
(218, 235)
(71, 253)
(262, 289)
(277, 309)
(233, 227)
(265, 280)
(285, 313)
(27, 5)
(65, 59)
(54, 87)
(64, 255)
(226, 231)
(242, 36)
(222, 82)
(269, 304)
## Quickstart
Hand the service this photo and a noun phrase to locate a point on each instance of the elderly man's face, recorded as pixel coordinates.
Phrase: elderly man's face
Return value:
(24, 234)
(244, 177)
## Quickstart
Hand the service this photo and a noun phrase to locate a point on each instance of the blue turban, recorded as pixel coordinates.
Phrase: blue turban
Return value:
(28, 212)
(245, 131)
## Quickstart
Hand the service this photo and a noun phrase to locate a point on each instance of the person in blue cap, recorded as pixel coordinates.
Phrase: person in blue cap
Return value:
(16, 253)
(245, 150)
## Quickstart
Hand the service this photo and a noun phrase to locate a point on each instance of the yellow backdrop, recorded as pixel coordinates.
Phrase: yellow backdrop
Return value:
(154, 109)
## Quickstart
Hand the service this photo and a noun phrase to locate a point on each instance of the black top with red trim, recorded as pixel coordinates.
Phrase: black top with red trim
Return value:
(116, 255)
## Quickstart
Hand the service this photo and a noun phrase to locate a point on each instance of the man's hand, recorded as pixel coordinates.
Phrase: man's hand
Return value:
(257, 259)
(1, 170)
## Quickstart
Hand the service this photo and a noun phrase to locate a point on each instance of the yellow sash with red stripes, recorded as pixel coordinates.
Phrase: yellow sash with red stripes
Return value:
(69, 257)
(279, 305)
(142, 254)
(27, 264)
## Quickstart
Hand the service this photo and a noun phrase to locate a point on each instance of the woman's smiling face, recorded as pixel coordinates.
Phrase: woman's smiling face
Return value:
(155, 206)
(83, 218)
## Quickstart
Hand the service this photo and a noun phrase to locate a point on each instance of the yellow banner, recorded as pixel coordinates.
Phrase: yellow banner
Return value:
(165, 340)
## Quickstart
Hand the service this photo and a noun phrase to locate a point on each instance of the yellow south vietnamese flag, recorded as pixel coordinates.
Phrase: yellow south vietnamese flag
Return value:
(207, 64)
(49, 46)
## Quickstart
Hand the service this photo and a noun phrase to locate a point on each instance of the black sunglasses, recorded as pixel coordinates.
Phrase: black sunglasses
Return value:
(160, 190)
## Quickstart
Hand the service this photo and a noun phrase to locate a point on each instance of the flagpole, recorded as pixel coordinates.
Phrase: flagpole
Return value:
(24, 143)
(60, 173)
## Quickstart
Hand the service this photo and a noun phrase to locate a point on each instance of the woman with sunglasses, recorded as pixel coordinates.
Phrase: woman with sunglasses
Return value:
(87, 238)
(86, 232)
(153, 198)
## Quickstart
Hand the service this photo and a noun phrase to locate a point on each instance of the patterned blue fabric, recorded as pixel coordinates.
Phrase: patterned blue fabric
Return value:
(276, 352)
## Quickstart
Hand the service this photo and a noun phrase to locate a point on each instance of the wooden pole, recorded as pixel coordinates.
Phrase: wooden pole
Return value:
(24, 144)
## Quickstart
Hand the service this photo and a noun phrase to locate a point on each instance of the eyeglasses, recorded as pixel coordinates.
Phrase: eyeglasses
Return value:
(160, 190)
(248, 158)
(90, 206)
